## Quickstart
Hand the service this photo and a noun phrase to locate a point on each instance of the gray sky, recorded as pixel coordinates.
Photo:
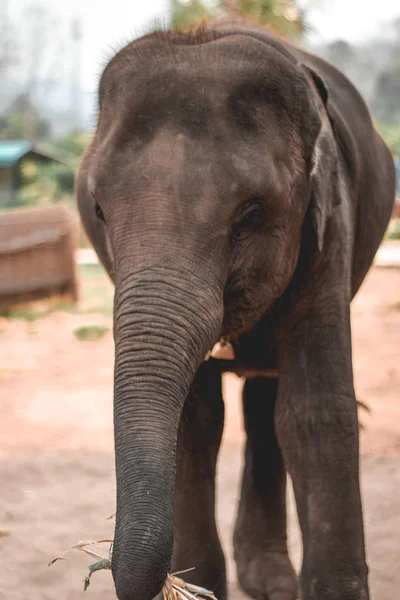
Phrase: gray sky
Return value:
(108, 24)
(354, 20)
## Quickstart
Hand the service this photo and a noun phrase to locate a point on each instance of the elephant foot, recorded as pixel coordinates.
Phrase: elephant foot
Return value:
(212, 579)
(209, 573)
(268, 576)
(219, 587)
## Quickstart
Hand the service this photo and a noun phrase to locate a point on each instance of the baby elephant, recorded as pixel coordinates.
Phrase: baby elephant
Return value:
(236, 191)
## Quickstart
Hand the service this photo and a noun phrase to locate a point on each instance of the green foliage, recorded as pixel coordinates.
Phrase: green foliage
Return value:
(65, 179)
(45, 184)
(37, 310)
(95, 292)
(103, 563)
(185, 15)
(282, 16)
(391, 135)
(22, 120)
(74, 143)
(28, 314)
(393, 231)
(90, 333)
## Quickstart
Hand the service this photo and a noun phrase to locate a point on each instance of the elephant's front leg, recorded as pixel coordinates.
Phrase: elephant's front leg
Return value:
(196, 541)
(317, 428)
(260, 540)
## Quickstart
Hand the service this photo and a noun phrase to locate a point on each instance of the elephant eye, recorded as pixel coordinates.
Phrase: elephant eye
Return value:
(99, 212)
(249, 219)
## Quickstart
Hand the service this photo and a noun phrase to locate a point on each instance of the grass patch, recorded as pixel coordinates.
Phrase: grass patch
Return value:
(92, 271)
(96, 291)
(37, 310)
(393, 231)
(90, 333)
(28, 314)
(96, 296)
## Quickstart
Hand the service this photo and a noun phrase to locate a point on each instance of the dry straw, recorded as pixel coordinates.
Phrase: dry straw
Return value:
(174, 587)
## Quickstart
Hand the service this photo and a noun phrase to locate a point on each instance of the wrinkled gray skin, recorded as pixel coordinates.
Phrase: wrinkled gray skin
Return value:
(235, 186)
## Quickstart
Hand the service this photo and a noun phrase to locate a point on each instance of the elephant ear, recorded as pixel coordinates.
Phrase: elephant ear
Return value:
(324, 161)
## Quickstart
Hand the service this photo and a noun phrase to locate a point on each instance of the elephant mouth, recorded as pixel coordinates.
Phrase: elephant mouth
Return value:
(222, 350)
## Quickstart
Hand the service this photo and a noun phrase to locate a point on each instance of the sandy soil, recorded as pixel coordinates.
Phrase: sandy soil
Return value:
(56, 448)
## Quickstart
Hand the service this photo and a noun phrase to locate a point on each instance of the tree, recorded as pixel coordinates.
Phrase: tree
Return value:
(391, 135)
(371, 66)
(341, 53)
(282, 16)
(22, 120)
(74, 144)
(185, 14)
(386, 101)
(8, 46)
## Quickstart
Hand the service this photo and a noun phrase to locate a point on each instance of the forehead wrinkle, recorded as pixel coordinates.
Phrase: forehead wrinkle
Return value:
(143, 62)
(172, 100)
(185, 92)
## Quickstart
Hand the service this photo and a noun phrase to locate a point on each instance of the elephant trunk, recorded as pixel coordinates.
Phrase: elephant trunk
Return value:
(164, 323)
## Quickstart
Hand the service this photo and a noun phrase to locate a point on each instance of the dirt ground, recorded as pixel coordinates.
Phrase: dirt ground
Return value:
(56, 448)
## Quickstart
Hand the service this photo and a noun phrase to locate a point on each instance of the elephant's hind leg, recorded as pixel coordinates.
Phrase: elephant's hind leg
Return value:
(264, 568)
(196, 541)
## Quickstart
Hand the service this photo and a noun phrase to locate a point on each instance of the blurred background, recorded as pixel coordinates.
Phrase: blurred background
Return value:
(56, 346)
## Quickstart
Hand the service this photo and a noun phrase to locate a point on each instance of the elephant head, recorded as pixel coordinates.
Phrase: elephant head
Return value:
(206, 161)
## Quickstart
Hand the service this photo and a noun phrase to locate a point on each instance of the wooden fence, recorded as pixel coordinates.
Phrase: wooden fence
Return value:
(37, 248)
